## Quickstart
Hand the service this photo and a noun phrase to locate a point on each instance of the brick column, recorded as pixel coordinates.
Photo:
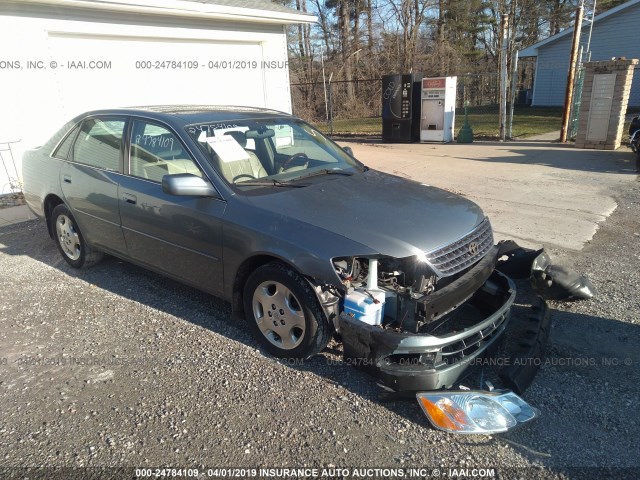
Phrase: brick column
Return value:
(623, 70)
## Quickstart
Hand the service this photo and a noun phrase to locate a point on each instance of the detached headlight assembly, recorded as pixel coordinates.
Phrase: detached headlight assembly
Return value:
(475, 412)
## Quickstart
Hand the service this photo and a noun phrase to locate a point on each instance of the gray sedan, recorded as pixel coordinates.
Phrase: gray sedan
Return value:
(261, 209)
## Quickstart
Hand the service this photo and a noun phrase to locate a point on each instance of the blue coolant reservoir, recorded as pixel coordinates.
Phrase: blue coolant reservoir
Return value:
(362, 304)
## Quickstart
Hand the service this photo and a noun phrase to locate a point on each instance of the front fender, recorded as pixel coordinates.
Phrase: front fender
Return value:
(308, 249)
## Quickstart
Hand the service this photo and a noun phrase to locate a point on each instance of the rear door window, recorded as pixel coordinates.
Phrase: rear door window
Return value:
(99, 143)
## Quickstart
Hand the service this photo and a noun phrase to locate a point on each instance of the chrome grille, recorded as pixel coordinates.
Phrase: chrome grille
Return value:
(462, 253)
(465, 347)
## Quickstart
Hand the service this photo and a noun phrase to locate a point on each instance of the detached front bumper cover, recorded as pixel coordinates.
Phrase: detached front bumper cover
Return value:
(556, 282)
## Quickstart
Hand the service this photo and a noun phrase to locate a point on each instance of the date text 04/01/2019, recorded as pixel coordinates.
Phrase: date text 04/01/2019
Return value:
(211, 64)
(241, 64)
(292, 472)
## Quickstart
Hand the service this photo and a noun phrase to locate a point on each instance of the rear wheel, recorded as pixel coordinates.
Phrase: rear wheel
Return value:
(283, 312)
(70, 241)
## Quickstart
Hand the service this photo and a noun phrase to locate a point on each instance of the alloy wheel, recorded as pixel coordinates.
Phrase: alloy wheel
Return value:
(279, 315)
(68, 237)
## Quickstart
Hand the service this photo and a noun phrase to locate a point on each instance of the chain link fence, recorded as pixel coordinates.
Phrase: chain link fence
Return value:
(481, 95)
(341, 108)
(576, 104)
(352, 109)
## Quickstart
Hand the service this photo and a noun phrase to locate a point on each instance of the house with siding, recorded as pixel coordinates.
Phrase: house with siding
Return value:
(615, 34)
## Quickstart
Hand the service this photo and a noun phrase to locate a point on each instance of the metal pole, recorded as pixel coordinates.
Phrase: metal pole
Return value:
(503, 78)
(568, 97)
(5, 167)
(588, 50)
(13, 159)
(330, 106)
(514, 85)
(324, 84)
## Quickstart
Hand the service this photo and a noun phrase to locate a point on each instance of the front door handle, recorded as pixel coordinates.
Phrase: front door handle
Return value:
(127, 197)
(66, 179)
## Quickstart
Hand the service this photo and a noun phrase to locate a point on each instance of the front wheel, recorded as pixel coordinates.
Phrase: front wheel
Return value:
(283, 312)
(70, 241)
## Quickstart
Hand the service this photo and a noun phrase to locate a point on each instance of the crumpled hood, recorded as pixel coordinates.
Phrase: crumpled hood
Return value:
(389, 214)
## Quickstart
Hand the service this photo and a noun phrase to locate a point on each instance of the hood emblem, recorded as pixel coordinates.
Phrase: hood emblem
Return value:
(473, 248)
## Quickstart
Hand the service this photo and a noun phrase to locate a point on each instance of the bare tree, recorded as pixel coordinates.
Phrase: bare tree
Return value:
(326, 30)
(409, 16)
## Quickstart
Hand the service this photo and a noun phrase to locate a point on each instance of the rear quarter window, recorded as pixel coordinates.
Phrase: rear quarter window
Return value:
(62, 152)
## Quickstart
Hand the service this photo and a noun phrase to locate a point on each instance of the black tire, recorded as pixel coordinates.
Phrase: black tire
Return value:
(283, 312)
(70, 241)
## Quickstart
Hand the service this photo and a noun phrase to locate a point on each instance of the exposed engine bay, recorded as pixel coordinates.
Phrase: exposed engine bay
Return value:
(417, 293)
(402, 291)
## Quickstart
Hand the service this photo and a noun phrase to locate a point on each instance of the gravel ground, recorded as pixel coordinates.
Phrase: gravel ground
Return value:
(116, 366)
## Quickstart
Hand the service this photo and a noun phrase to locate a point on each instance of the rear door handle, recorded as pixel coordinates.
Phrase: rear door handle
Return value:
(127, 197)
(66, 179)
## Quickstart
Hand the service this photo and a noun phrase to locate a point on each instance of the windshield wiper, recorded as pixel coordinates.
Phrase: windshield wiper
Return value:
(272, 182)
(324, 171)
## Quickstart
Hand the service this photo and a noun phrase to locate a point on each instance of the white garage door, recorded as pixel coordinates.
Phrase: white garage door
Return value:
(106, 72)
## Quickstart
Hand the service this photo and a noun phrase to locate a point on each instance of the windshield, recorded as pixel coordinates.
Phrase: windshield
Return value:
(273, 152)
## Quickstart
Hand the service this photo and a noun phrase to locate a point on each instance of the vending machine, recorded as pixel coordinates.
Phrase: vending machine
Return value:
(401, 107)
(438, 109)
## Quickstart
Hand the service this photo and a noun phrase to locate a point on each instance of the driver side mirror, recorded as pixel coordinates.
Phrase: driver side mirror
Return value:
(348, 151)
(188, 185)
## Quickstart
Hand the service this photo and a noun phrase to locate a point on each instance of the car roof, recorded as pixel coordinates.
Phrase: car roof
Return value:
(190, 114)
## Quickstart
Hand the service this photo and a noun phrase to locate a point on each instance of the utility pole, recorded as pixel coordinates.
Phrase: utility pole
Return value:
(503, 77)
(514, 85)
(568, 97)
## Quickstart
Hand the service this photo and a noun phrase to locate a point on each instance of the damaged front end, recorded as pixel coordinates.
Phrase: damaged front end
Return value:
(436, 336)
(419, 324)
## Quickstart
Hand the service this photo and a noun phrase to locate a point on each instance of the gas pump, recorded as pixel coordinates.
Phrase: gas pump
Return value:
(438, 109)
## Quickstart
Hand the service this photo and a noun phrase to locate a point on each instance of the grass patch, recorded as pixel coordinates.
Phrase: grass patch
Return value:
(485, 122)
(527, 121)
(368, 126)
